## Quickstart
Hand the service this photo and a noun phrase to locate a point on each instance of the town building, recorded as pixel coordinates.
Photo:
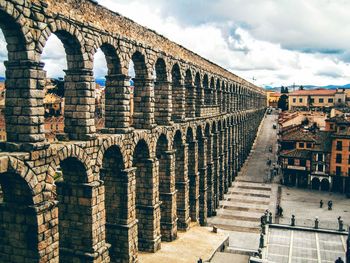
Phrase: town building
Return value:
(316, 99)
(272, 98)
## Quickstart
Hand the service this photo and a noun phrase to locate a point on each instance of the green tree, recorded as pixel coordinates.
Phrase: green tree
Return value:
(283, 102)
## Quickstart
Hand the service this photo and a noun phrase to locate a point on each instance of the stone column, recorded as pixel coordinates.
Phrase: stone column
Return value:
(199, 99)
(210, 179)
(193, 176)
(178, 102)
(167, 195)
(216, 166)
(182, 187)
(163, 103)
(24, 110)
(190, 101)
(148, 211)
(225, 160)
(29, 233)
(79, 109)
(117, 113)
(221, 165)
(202, 163)
(82, 222)
(122, 229)
(143, 117)
(229, 157)
(221, 100)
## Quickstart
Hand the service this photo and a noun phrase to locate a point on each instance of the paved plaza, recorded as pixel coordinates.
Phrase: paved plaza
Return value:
(285, 245)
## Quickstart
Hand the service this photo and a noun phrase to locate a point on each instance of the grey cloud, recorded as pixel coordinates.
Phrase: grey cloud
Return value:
(330, 73)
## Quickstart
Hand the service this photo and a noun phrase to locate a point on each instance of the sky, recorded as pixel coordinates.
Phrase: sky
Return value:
(267, 42)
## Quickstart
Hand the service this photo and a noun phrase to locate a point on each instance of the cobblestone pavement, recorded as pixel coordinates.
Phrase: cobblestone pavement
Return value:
(305, 205)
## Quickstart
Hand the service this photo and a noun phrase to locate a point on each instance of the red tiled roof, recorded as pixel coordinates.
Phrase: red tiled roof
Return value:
(314, 92)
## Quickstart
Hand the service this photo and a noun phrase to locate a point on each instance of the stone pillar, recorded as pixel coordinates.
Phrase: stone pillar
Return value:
(82, 222)
(117, 113)
(216, 166)
(225, 160)
(79, 108)
(221, 100)
(221, 165)
(143, 117)
(182, 187)
(163, 103)
(193, 176)
(24, 110)
(178, 102)
(167, 195)
(199, 99)
(29, 233)
(190, 101)
(210, 180)
(121, 226)
(229, 157)
(148, 210)
(203, 197)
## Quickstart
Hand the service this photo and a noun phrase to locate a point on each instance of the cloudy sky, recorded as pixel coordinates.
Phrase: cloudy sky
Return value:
(268, 42)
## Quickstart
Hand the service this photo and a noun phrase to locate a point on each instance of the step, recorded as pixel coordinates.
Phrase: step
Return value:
(240, 218)
(248, 194)
(240, 208)
(260, 188)
(254, 200)
(238, 213)
(223, 204)
(238, 228)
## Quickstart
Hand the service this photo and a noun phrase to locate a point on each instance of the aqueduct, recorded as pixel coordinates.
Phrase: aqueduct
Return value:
(146, 175)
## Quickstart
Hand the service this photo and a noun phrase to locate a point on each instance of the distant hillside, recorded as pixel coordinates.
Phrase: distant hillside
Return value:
(290, 88)
(2, 79)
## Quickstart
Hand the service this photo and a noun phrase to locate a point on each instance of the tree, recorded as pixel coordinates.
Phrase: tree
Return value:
(301, 87)
(283, 102)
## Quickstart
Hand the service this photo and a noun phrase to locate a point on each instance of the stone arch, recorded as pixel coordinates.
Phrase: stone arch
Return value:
(190, 95)
(213, 98)
(218, 93)
(325, 185)
(199, 94)
(178, 94)
(207, 93)
(142, 95)
(162, 93)
(147, 198)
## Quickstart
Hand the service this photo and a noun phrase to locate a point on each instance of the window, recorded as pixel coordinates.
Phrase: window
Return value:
(338, 170)
(330, 100)
(300, 100)
(319, 157)
(332, 126)
(339, 100)
(290, 161)
(349, 171)
(320, 167)
(339, 146)
(301, 144)
(312, 100)
(338, 158)
(302, 162)
(294, 100)
(321, 100)
(349, 160)
(308, 145)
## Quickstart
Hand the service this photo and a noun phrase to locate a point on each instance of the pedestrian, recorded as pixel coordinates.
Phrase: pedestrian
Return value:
(281, 211)
(339, 260)
(330, 204)
(200, 260)
(321, 203)
(278, 210)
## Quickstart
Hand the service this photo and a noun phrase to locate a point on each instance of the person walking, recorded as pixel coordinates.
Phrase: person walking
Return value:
(330, 205)
(321, 203)
(339, 260)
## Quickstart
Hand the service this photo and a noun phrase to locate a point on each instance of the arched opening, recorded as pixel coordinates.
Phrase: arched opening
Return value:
(213, 93)
(181, 182)
(202, 184)
(315, 183)
(147, 199)
(218, 94)
(324, 185)
(166, 190)
(116, 202)
(77, 218)
(192, 164)
(141, 102)
(178, 94)
(18, 220)
(207, 92)
(70, 90)
(162, 94)
(190, 95)
(199, 95)
(110, 91)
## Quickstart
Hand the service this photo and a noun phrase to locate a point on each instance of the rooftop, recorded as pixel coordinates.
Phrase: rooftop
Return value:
(297, 153)
(314, 92)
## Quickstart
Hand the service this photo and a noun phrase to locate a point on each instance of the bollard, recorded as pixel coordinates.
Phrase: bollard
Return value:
(270, 218)
(316, 222)
(341, 224)
(292, 223)
(215, 229)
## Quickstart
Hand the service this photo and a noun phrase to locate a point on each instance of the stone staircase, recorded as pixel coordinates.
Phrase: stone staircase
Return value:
(243, 206)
